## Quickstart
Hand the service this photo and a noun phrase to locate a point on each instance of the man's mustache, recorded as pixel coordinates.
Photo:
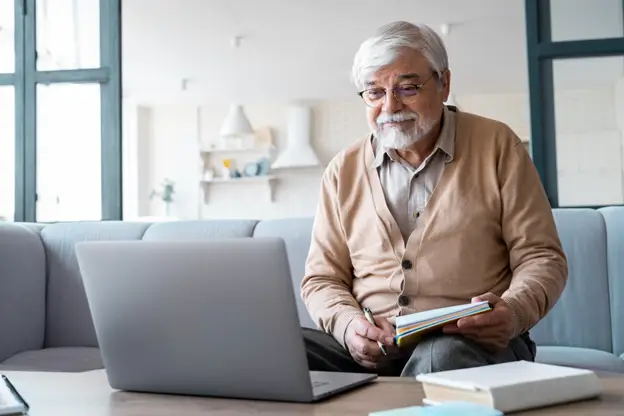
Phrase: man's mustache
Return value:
(396, 117)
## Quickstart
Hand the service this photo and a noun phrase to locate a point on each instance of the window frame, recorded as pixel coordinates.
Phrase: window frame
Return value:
(541, 51)
(25, 80)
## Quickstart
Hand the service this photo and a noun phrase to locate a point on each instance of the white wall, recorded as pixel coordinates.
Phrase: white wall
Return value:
(174, 134)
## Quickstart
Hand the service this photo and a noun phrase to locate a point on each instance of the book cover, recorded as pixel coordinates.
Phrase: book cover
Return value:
(512, 386)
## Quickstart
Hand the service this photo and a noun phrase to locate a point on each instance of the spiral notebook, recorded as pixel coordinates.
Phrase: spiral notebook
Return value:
(410, 328)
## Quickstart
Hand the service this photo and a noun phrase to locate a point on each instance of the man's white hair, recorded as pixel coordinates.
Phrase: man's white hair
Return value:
(384, 47)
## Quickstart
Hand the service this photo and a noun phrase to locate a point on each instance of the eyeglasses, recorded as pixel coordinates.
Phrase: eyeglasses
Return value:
(404, 93)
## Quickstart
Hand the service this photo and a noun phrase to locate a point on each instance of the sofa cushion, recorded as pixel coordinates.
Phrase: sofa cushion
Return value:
(581, 317)
(296, 233)
(580, 358)
(68, 319)
(22, 289)
(199, 230)
(614, 220)
(63, 359)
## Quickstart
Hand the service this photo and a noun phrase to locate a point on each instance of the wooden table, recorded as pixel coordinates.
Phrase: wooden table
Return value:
(67, 394)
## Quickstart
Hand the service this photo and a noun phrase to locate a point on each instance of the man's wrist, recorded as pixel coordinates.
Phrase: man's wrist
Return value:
(518, 316)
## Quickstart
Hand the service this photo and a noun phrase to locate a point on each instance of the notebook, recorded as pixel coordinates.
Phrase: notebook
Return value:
(510, 387)
(11, 403)
(410, 328)
(446, 409)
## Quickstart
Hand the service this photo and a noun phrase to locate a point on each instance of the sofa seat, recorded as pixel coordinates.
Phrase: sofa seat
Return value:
(580, 358)
(62, 359)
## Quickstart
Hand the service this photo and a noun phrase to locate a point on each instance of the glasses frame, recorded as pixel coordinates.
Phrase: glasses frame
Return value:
(382, 101)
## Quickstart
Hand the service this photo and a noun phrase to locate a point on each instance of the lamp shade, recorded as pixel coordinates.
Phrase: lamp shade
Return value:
(236, 123)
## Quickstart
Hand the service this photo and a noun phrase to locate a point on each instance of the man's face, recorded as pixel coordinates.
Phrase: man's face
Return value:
(398, 124)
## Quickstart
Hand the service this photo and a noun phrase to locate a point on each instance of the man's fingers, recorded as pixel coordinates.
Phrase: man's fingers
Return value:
(385, 325)
(367, 330)
(484, 319)
(489, 297)
(366, 347)
(365, 361)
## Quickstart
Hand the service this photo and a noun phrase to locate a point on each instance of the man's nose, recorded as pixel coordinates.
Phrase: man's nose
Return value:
(391, 104)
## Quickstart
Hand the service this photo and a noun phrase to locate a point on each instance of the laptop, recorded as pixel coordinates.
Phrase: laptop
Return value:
(213, 318)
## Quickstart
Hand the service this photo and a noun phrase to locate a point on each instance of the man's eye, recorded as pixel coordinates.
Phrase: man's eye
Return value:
(374, 94)
(407, 90)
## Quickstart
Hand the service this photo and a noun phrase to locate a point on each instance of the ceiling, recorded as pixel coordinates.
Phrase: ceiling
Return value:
(303, 49)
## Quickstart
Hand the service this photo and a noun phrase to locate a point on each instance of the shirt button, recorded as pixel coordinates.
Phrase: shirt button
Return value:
(416, 214)
(406, 264)
(403, 300)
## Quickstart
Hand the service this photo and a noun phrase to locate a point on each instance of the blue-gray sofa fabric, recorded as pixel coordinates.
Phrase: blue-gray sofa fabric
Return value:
(46, 324)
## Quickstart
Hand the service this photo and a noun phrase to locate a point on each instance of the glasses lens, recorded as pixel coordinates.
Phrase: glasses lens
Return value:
(374, 97)
(406, 93)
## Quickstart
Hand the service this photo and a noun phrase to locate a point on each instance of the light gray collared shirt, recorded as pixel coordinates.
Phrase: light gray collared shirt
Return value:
(407, 189)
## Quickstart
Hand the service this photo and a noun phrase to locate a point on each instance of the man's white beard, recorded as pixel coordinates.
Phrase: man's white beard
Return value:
(394, 137)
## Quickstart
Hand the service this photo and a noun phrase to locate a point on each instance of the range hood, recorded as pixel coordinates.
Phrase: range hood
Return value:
(299, 152)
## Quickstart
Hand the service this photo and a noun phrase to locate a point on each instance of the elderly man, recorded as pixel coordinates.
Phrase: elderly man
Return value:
(437, 207)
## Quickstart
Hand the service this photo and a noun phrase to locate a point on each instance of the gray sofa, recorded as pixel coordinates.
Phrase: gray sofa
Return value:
(45, 324)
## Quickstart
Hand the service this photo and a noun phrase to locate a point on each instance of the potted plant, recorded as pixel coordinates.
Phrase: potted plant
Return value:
(165, 194)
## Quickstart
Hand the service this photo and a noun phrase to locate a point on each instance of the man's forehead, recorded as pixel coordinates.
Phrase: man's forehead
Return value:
(377, 78)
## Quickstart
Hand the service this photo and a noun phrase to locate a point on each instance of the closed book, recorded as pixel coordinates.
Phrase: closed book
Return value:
(410, 328)
(513, 386)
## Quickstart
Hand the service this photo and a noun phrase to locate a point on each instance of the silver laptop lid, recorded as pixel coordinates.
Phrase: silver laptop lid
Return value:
(208, 318)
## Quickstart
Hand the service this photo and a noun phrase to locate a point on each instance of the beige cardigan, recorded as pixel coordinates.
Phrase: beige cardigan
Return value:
(488, 227)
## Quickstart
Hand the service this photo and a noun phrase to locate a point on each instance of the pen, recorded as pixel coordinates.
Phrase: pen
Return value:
(15, 392)
(371, 319)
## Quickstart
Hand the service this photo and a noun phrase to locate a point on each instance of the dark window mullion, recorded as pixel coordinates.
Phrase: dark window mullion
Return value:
(541, 98)
(20, 114)
(581, 48)
(7, 79)
(110, 57)
(90, 75)
(30, 114)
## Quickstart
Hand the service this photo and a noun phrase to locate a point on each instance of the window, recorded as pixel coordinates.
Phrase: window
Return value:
(60, 141)
(7, 153)
(576, 79)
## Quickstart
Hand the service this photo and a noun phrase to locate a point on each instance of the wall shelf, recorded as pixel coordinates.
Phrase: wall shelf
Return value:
(267, 180)
(219, 150)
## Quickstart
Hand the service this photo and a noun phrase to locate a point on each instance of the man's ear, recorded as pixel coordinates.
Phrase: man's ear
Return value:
(446, 81)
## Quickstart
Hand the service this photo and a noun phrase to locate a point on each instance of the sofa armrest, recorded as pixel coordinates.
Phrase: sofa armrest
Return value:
(22, 289)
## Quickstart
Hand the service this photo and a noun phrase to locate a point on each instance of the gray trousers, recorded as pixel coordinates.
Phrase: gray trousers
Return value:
(437, 352)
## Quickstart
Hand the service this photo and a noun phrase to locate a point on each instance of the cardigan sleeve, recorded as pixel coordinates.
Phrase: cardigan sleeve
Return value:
(536, 256)
(326, 285)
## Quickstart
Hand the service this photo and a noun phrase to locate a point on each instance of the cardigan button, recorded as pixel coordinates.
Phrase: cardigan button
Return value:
(403, 300)
(406, 264)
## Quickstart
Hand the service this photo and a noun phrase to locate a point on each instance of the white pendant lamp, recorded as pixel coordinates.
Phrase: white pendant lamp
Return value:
(236, 123)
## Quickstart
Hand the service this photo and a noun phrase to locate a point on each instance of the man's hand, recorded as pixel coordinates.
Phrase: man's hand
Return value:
(493, 330)
(361, 339)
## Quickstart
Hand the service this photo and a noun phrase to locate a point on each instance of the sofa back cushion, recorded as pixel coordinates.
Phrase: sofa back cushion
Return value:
(614, 220)
(199, 230)
(68, 317)
(69, 320)
(581, 317)
(22, 289)
(296, 233)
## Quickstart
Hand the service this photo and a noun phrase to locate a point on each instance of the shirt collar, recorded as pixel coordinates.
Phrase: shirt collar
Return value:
(445, 142)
